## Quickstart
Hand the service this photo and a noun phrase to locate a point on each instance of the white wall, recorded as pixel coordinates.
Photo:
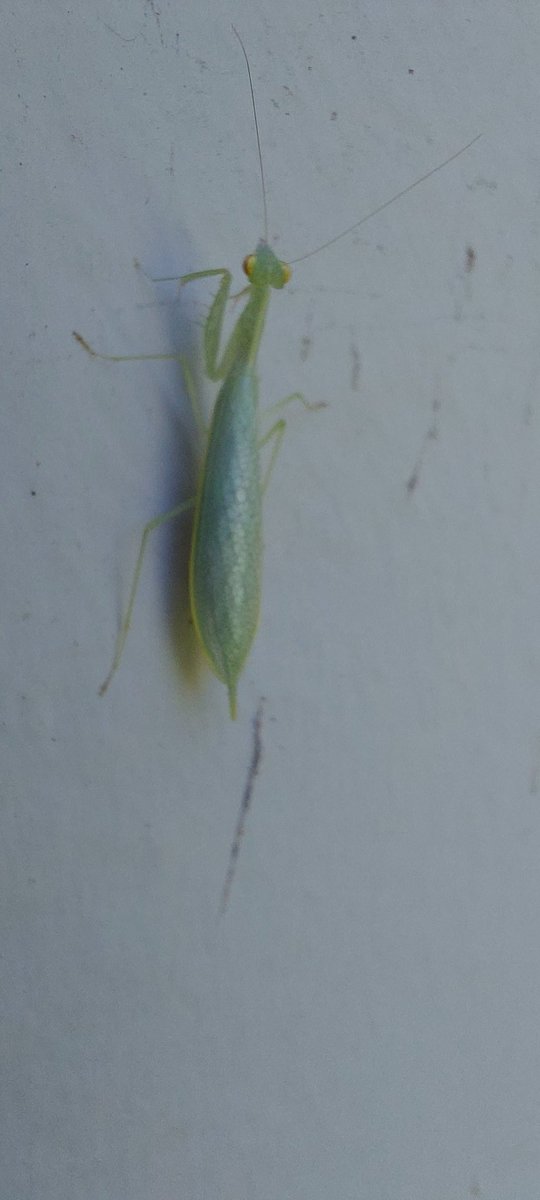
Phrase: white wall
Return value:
(363, 1022)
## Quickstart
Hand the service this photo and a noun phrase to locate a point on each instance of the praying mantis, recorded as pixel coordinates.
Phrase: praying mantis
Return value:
(226, 543)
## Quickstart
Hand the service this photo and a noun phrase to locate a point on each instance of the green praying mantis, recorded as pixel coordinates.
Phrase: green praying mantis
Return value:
(226, 544)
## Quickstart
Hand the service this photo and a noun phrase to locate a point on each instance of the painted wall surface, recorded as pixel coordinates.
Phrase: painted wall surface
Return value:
(363, 1022)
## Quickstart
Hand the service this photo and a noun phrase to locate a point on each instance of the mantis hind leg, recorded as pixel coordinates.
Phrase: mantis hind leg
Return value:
(277, 431)
(275, 434)
(126, 622)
